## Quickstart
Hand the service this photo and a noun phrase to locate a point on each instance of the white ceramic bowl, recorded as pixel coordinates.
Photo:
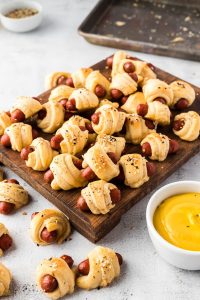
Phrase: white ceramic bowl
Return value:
(22, 24)
(184, 259)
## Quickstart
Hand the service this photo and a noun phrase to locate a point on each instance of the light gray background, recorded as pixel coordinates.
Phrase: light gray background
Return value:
(25, 60)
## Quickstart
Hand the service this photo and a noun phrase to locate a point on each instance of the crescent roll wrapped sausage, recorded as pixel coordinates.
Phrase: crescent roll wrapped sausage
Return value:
(40, 155)
(24, 108)
(5, 122)
(84, 99)
(184, 94)
(74, 139)
(107, 119)
(187, 126)
(97, 195)
(62, 92)
(5, 239)
(52, 221)
(66, 174)
(124, 83)
(51, 117)
(100, 163)
(79, 77)
(13, 193)
(98, 84)
(116, 61)
(130, 106)
(156, 89)
(136, 128)
(111, 144)
(159, 144)
(56, 78)
(55, 278)
(104, 268)
(5, 280)
(158, 112)
(135, 170)
(20, 135)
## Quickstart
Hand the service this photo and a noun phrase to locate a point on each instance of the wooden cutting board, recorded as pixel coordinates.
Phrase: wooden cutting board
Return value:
(91, 226)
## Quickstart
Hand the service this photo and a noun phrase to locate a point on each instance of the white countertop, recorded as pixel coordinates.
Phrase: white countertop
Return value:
(25, 60)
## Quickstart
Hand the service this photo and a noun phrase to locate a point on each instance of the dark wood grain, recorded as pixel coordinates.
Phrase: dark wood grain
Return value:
(91, 226)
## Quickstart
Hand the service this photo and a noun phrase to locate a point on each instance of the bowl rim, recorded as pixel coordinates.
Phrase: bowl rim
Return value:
(28, 3)
(151, 226)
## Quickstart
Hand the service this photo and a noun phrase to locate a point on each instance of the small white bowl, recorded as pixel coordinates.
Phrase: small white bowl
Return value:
(22, 24)
(184, 259)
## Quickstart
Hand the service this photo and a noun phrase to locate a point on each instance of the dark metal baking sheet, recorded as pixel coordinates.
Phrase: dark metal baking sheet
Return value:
(170, 28)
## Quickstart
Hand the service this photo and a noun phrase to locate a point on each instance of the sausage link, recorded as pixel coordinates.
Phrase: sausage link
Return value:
(42, 114)
(150, 124)
(129, 67)
(78, 163)
(100, 91)
(173, 146)
(17, 116)
(5, 140)
(109, 62)
(116, 94)
(48, 237)
(63, 102)
(68, 115)
(134, 76)
(48, 176)
(146, 149)
(34, 214)
(68, 259)
(151, 168)
(115, 195)
(178, 124)
(55, 141)
(71, 105)
(88, 174)
(113, 157)
(48, 283)
(61, 80)
(142, 109)
(182, 104)
(81, 204)
(5, 242)
(25, 152)
(35, 133)
(124, 99)
(69, 82)
(89, 127)
(160, 99)
(95, 118)
(6, 208)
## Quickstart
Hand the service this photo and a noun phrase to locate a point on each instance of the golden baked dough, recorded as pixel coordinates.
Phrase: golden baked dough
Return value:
(61, 92)
(104, 268)
(159, 145)
(74, 139)
(60, 270)
(54, 118)
(52, 79)
(3, 230)
(130, 106)
(28, 105)
(20, 135)
(13, 193)
(97, 196)
(98, 160)
(124, 83)
(158, 112)
(4, 122)
(135, 170)
(80, 121)
(111, 144)
(183, 90)
(110, 120)
(191, 129)
(145, 72)
(136, 129)
(85, 99)
(96, 78)
(50, 219)
(106, 101)
(155, 88)
(42, 155)
(79, 77)
(66, 175)
(5, 280)
(117, 58)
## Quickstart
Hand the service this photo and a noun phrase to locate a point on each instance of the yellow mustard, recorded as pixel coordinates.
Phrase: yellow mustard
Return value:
(177, 220)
